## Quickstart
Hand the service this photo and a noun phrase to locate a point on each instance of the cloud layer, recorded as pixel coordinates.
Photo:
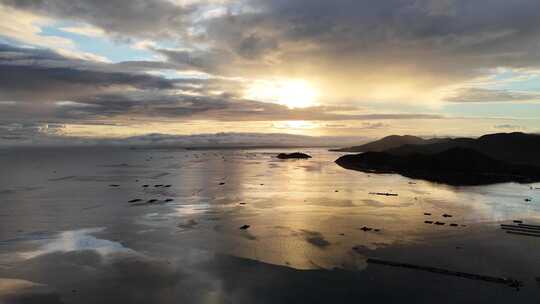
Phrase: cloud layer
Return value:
(383, 60)
(415, 43)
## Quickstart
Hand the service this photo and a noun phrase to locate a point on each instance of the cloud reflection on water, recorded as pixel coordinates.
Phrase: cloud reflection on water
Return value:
(77, 240)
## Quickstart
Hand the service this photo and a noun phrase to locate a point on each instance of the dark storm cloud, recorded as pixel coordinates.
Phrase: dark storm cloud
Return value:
(487, 95)
(162, 105)
(246, 110)
(432, 43)
(206, 61)
(442, 37)
(21, 82)
(452, 27)
(150, 104)
(14, 54)
(35, 74)
(141, 65)
(146, 18)
(253, 46)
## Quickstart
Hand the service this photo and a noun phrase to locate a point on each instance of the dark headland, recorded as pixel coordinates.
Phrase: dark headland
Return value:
(494, 158)
(389, 142)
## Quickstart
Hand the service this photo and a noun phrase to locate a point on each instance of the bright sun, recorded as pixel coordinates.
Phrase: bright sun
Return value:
(293, 93)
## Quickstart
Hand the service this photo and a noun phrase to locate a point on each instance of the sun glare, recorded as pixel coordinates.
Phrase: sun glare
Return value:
(293, 93)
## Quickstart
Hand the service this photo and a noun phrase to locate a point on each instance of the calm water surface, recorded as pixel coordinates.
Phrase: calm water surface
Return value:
(69, 235)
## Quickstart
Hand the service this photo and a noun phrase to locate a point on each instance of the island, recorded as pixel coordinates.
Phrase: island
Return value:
(515, 147)
(295, 155)
(455, 166)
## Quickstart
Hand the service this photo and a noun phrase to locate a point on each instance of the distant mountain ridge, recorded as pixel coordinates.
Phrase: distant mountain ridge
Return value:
(223, 140)
(391, 142)
(492, 158)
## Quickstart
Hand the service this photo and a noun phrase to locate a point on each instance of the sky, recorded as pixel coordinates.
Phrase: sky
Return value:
(74, 69)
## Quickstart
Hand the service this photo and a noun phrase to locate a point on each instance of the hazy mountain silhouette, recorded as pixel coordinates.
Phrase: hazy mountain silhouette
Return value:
(390, 142)
(455, 166)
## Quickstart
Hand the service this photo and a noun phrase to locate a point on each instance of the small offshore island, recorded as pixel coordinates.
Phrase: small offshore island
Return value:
(495, 158)
(294, 155)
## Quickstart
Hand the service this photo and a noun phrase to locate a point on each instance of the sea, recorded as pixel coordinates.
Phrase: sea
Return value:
(172, 225)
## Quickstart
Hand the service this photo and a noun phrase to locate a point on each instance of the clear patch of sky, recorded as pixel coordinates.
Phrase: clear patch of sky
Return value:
(508, 80)
(7, 40)
(525, 110)
(516, 81)
(494, 109)
(115, 51)
(397, 107)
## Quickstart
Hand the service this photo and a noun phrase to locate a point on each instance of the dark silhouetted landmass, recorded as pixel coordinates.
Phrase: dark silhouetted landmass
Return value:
(295, 155)
(455, 166)
(390, 142)
(517, 148)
